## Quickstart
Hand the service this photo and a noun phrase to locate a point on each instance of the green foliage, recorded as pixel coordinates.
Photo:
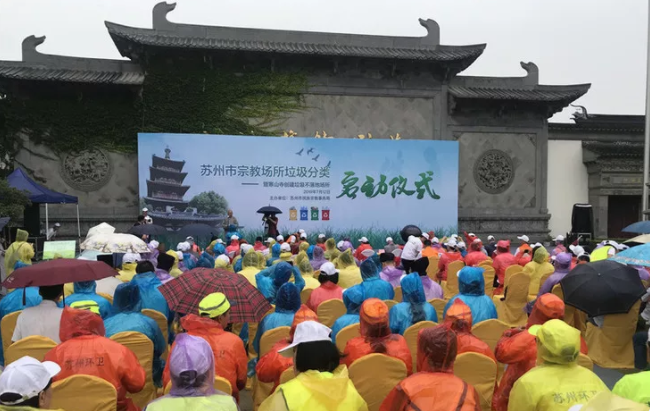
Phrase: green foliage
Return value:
(209, 202)
(12, 201)
(186, 96)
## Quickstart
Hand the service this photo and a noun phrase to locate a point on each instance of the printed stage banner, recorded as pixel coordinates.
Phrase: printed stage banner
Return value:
(341, 187)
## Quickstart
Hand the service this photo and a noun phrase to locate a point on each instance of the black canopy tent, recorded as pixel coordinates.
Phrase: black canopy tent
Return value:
(41, 195)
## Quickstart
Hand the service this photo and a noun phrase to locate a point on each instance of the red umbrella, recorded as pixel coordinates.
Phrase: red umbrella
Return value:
(59, 271)
(183, 294)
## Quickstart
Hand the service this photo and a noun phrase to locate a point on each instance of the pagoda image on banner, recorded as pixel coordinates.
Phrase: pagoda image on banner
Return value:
(165, 192)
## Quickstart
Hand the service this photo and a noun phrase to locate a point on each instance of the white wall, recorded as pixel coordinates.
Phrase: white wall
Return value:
(567, 183)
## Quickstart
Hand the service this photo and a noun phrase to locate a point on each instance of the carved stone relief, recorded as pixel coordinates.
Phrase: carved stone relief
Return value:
(494, 171)
(86, 170)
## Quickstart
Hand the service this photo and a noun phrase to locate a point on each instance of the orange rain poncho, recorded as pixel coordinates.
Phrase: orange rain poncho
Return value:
(230, 359)
(270, 367)
(85, 350)
(459, 320)
(376, 336)
(518, 350)
(435, 387)
(446, 259)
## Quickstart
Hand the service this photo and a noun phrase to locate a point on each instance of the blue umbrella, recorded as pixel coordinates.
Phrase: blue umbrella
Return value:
(639, 255)
(641, 227)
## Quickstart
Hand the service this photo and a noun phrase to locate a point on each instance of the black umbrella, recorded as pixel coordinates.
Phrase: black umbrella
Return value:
(603, 287)
(269, 210)
(410, 230)
(148, 229)
(197, 230)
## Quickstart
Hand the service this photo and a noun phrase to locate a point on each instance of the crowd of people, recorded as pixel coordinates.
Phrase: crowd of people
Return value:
(541, 357)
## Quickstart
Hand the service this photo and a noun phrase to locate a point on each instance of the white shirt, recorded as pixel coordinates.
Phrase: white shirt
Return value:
(43, 319)
(412, 249)
(51, 234)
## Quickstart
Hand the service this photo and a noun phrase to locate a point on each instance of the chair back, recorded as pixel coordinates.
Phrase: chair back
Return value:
(270, 337)
(542, 279)
(486, 263)
(513, 269)
(142, 347)
(490, 331)
(585, 361)
(374, 376)
(488, 276)
(83, 392)
(368, 253)
(612, 345)
(557, 290)
(316, 274)
(346, 334)
(160, 319)
(480, 372)
(450, 286)
(220, 384)
(511, 311)
(305, 294)
(411, 337)
(439, 305)
(329, 311)
(7, 327)
(108, 297)
(287, 375)
(35, 346)
(252, 332)
(432, 269)
(390, 303)
(399, 296)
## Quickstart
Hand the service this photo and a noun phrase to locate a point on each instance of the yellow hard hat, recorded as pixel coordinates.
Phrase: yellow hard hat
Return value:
(88, 305)
(214, 305)
(560, 343)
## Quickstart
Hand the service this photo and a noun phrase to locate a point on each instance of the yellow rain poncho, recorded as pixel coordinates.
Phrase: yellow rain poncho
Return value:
(537, 268)
(19, 250)
(127, 272)
(250, 267)
(174, 271)
(307, 273)
(635, 387)
(300, 257)
(331, 252)
(223, 262)
(261, 260)
(316, 391)
(304, 246)
(559, 383)
(349, 273)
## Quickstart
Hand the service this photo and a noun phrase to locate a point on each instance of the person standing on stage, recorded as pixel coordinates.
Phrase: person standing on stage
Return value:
(271, 225)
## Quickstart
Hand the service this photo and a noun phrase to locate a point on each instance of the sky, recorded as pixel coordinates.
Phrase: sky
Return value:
(602, 42)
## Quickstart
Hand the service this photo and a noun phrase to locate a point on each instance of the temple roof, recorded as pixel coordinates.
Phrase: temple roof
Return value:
(166, 34)
(36, 66)
(618, 149)
(606, 123)
(539, 93)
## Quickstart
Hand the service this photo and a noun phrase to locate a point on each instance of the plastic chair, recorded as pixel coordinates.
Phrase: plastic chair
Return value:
(450, 286)
(513, 269)
(611, 346)
(35, 346)
(585, 361)
(374, 376)
(490, 331)
(84, 392)
(479, 371)
(346, 334)
(399, 296)
(511, 310)
(160, 319)
(439, 305)
(252, 331)
(532, 292)
(262, 390)
(220, 384)
(486, 263)
(368, 253)
(108, 297)
(142, 347)
(488, 276)
(287, 375)
(411, 337)
(329, 311)
(432, 269)
(305, 294)
(7, 327)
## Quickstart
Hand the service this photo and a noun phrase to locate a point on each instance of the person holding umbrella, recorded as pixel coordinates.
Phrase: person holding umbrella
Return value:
(230, 357)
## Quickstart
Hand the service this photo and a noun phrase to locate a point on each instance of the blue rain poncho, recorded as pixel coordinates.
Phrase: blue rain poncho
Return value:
(271, 279)
(189, 260)
(127, 317)
(286, 305)
(150, 297)
(84, 291)
(415, 307)
(205, 261)
(353, 297)
(471, 286)
(218, 250)
(13, 302)
(275, 254)
(373, 286)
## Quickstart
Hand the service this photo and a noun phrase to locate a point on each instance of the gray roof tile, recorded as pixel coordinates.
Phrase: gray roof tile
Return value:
(546, 94)
(26, 71)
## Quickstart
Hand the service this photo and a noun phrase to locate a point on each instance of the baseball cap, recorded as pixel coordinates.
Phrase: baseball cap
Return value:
(57, 225)
(425, 235)
(303, 236)
(279, 238)
(190, 238)
(491, 237)
(559, 238)
(576, 249)
(363, 240)
(301, 231)
(560, 342)
(471, 235)
(26, 377)
(292, 239)
(524, 238)
(306, 332)
(285, 247)
(131, 258)
(328, 269)
(213, 305)
(154, 243)
(145, 209)
(321, 235)
(269, 240)
(87, 305)
(454, 236)
(461, 245)
(389, 239)
(179, 254)
(435, 240)
(234, 237)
